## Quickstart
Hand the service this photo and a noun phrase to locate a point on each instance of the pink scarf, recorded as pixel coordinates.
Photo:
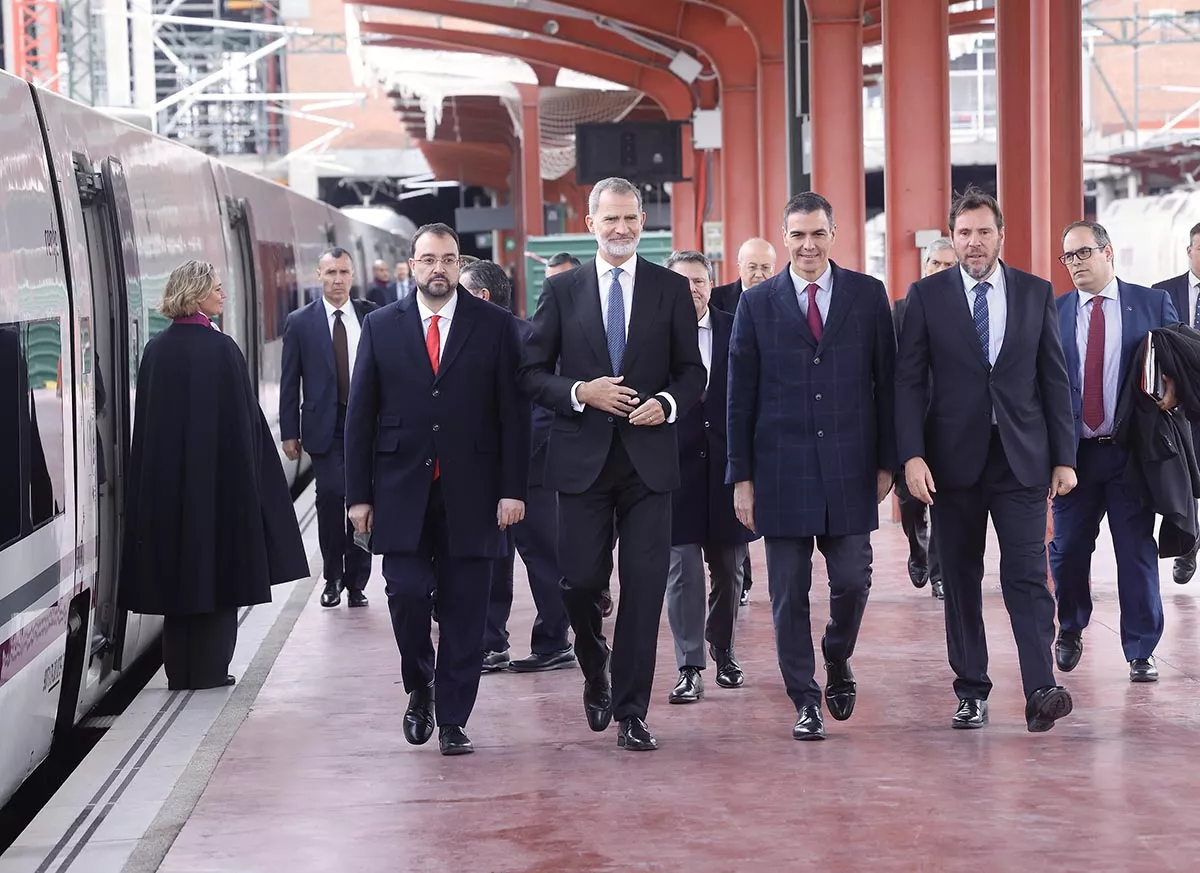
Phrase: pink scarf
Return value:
(195, 318)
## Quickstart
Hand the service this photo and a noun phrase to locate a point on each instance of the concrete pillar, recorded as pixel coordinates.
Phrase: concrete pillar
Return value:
(835, 62)
(1014, 157)
(916, 93)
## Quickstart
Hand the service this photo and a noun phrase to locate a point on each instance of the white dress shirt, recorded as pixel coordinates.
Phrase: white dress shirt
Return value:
(704, 326)
(824, 285)
(1189, 318)
(444, 319)
(350, 320)
(604, 277)
(1112, 351)
(997, 302)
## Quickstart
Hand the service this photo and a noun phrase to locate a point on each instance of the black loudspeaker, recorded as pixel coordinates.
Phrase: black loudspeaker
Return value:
(644, 152)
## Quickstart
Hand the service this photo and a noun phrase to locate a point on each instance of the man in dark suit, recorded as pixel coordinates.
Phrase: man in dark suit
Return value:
(1185, 292)
(536, 537)
(756, 263)
(561, 263)
(404, 281)
(382, 290)
(812, 448)
(1103, 321)
(923, 564)
(704, 528)
(437, 459)
(623, 332)
(993, 430)
(320, 346)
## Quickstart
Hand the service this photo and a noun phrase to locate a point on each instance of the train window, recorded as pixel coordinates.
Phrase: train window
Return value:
(280, 293)
(32, 454)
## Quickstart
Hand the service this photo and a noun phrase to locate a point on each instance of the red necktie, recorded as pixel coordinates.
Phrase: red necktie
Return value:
(1093, 369)
(814, 314)
(433, 346)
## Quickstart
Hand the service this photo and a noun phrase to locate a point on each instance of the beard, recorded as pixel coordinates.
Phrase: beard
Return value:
(617, 248)
(977, 270)
(437, 287)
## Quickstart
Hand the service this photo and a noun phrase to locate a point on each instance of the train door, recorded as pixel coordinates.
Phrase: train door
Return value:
(241, 219)
(116, 351)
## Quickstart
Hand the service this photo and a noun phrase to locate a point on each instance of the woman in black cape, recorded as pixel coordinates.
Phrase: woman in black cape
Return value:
(209, 523)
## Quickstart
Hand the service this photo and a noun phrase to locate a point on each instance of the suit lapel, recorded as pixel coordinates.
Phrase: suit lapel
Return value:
(719, 365)
(839, 304)
(1136, 322)
(410, 326)
(460, 329)
(585, 296)
(646, 300)
(960, 313)
(320, 327)
(783, 293)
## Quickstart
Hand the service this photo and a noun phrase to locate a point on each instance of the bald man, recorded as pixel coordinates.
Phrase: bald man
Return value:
(382, 289)
(756, 263)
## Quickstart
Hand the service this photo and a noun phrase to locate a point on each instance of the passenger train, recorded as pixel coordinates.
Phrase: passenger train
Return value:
(94, 215)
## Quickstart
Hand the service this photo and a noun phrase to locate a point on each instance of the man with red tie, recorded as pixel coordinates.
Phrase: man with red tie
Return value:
(1103, 321)
(437, 464)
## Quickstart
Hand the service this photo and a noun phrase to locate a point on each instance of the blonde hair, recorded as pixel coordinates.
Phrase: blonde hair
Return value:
(188, 284)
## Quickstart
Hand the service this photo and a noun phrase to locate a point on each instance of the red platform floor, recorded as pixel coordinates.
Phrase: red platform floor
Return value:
(319, 778)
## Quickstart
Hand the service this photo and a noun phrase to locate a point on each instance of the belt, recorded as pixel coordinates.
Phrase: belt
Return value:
(1100, 440)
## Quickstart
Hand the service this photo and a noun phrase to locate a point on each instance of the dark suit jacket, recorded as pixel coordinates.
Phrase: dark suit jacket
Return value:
(702, 506)
(1142, 310)
(726, 297)
(471, 417)
(1177, 287)
(662, 354)
(812, 423)
(308, 361)
(949, 422)
(540, 421)
(898, 309)
(381, 294)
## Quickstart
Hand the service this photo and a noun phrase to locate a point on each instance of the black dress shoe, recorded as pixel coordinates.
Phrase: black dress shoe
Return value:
(689, 688)
(809, 725)
(634, 736)
(597, 703)
(917, 573)
(1143, 670)
(453, 740)
(840, 687)
(1184, 569)
(356, 599)
(938, 589)
(972, 713)
(729, 671)
(538, 663)
(1068, 649)
(1045, 707)
(493, 662)
(418, 718)
(332, 595)
(606, 603)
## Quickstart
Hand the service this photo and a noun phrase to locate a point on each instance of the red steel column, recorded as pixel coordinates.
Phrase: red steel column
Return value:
(1066, 125)
(835, 63)
(1041, 253)
(683, 199)
(1014, 170)
(530, 213)
(916, 93)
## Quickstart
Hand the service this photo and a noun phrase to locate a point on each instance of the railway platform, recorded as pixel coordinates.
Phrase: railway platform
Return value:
(302, 766)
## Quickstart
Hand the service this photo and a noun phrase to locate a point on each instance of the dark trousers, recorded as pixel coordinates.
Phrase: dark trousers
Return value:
(1077, 525)
(462, 586)
(691, 624)
(536, 538)
(343, 561)
(914, 519)
(197, 649)
(789, 579)
(747, 579)
(585, 549)
(960, 517)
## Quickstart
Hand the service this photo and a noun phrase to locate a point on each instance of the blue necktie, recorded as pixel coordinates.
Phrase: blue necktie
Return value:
(1196, 316)
(981, 319)
(614, 326)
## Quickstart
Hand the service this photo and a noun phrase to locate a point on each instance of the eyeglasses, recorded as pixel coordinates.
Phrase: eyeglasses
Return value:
(1082, 254)
(431, 261)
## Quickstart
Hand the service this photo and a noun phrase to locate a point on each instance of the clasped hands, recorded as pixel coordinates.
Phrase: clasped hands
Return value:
(608, 395)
